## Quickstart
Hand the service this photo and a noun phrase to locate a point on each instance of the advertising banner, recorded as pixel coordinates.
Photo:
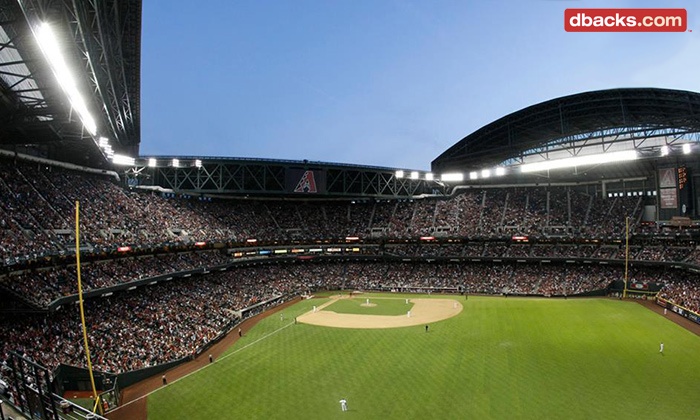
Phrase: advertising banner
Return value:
(669, 198)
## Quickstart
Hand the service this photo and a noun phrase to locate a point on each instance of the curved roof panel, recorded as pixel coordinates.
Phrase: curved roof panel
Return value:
(628, 109)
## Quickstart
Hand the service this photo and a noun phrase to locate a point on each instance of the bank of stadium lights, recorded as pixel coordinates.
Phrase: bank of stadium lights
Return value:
(665, 150)
(483, 174)
(123, 160)
(414, 175)
(452, 177)
(580, 161)
(198, 163)
(176, 163)
(152, 162)
(48, 43)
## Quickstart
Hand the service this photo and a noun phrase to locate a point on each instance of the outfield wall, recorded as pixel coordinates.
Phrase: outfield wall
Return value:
(684, 312)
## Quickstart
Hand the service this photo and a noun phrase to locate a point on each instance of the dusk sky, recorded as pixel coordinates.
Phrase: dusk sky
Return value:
(377, 82)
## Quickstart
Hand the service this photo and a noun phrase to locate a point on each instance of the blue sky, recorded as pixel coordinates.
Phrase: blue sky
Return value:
(377, 82)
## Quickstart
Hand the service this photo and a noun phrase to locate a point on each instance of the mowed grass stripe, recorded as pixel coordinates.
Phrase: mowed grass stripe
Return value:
(499, 358)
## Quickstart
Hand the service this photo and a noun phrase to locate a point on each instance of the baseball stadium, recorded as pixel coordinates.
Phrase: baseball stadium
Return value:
(545, 267)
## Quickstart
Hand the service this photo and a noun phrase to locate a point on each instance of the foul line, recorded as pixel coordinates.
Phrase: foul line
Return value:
(205, 366)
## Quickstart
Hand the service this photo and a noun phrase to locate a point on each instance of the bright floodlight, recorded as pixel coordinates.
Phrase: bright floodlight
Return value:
(176, 163)
(485, 173)
(414, 175)
(473, 175)
(198, 163)
(152, 162)
(123, 160)
(664, 150)
(103, 142)
(579, 161)
(429, 176)
(49, 45)
(452, 177)
(399, 174)
(686, 148)
(500, 171)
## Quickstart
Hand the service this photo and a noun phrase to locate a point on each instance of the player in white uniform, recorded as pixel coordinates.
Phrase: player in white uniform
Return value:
(343, 405)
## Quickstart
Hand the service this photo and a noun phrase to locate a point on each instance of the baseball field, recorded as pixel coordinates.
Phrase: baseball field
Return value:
(485, 358)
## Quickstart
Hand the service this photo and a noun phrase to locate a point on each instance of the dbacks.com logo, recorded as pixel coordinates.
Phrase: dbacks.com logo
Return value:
(625, 20)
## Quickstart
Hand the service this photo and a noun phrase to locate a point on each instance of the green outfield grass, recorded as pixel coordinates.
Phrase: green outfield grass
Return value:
(383, 306)
(499, 359)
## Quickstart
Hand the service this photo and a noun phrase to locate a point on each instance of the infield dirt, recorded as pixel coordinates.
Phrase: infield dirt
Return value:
(424, 311)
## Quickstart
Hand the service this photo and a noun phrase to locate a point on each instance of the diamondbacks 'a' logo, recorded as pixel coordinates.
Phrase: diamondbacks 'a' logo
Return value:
(668, 179)
(307, 183)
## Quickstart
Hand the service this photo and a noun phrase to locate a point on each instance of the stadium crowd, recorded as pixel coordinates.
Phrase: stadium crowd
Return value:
(146, 326)
(37, 215)
(684, 291)
(43, 285)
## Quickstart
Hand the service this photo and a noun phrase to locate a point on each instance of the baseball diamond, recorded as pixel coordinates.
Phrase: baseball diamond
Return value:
(422, 311)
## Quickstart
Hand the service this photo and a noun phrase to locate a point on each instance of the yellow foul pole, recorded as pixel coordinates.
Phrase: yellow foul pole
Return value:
(80, 299)
(627, 253)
